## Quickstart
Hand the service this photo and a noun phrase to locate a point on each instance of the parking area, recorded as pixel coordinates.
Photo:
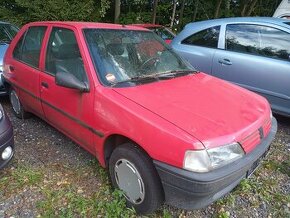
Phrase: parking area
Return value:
(52, 176)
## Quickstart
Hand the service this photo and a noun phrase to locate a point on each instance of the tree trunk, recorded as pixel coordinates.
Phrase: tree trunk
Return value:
(217, 10)
(155, 4)
(195, 10)
(181, 14)
(252, 7)
(117, 10)
(173, 13)
(244, 7)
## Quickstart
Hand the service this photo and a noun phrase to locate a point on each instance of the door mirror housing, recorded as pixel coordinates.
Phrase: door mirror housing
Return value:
(70, 81)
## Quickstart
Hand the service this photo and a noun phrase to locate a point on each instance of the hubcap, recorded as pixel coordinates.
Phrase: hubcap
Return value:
(129, 180)
(15, 102)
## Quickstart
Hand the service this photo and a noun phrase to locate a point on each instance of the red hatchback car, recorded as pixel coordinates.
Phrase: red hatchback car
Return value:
(165, 131)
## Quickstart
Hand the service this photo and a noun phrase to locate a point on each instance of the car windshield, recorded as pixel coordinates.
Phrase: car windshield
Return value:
(130, 56)
(7, 32)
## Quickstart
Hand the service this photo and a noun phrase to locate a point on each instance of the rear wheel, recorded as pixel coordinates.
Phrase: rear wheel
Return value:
(17, 107)
(132, 171)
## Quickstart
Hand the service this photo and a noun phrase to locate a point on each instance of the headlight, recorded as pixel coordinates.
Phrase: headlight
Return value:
(1, 68)
(1, 114)
(207, 160)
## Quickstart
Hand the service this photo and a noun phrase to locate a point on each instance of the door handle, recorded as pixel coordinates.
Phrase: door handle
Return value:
(44, 84)
(225, 61)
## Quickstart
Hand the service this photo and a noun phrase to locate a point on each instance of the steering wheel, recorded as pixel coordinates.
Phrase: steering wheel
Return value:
(151, 60)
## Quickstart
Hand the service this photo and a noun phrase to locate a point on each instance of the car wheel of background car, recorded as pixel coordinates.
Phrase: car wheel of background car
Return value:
(16, 105)
(132, 171)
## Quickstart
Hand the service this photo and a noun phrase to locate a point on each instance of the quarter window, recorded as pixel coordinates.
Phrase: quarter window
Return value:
(206, 38)
(63, 54)
(258, 40)
(28, 47)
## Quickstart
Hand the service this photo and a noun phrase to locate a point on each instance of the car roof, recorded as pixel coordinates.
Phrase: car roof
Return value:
(270, 20)
(146, 25)
(82, 25)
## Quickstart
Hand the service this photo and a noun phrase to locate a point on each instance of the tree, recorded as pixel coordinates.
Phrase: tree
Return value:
(117, 10)
(155, 4)
(173, 13)
(217, 10)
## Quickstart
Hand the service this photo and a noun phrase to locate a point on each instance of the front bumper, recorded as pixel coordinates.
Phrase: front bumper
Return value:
(190, 190)
(6, 139)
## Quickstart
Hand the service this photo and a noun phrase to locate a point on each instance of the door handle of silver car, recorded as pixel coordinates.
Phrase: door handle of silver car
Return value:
(225, 62)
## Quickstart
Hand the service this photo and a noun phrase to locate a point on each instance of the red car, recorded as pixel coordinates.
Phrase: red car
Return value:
(166, 34)
(165, 131)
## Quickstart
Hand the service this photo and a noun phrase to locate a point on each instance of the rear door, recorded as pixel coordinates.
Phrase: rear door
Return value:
(199, 48)
(25, 68)
(257, 57)
(69, 110)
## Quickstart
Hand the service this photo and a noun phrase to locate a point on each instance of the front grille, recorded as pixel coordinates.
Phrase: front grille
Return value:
(250, 142)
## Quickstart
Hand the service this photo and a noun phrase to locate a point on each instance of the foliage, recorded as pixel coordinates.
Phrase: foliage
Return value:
(132, 11)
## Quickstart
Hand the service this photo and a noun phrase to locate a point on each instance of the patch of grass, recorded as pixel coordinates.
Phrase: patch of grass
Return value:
(67, 202)
(20, 177)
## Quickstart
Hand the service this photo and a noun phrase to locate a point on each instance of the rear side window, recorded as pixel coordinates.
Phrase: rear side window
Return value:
(63, 54)
(206, 38)
(28, 48)
(258, 40)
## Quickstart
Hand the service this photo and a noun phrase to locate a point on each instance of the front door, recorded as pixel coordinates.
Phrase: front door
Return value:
(67, 109)
(257, 57)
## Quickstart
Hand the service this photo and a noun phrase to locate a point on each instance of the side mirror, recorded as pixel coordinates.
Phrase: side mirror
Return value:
(70, 81)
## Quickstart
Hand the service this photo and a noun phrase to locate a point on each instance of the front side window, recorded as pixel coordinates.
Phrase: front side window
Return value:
(205, 38)
(63, 54)
(258, 40)
(122, 56)
(28, 47)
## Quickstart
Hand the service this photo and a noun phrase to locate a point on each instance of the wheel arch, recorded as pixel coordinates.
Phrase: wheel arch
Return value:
(114, 140)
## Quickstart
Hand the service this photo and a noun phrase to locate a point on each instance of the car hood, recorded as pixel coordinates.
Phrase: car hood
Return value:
(3, 48)
(212, 110)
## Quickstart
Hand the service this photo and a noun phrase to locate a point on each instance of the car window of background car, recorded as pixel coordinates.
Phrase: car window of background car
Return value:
(163, 33)
(63, 54)
(123, 54)
(28, 48)
(4, 37)
(206, 38)
(258, 40)
(7, 32)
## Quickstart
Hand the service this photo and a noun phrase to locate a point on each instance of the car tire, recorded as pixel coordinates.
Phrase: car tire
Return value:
(17, 107)
(130, 165)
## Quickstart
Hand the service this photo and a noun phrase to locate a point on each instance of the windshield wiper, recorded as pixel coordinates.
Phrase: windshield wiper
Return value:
(174, 73)
(136, 79)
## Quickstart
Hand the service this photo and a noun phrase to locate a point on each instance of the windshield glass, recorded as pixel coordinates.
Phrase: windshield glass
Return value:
(7, 32)
(122, 56)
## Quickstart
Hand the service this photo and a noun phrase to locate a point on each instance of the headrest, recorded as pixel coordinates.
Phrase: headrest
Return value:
(68, 51)
(115, 49)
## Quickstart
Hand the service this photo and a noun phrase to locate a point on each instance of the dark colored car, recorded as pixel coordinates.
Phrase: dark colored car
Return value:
(166, 34)
(7, 32)
(6, 139)
(253, 52)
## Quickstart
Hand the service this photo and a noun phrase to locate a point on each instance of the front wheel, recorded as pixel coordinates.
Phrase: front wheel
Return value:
(132, 171)
(17, 107)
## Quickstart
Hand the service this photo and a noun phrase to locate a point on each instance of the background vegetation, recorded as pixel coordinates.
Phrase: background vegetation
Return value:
(172, 13)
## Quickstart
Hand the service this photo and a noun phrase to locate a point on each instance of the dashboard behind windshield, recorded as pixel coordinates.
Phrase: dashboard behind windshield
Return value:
(120, 55)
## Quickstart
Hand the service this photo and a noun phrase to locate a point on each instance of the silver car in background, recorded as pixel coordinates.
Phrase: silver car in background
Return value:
(7, 33)
(251, 52)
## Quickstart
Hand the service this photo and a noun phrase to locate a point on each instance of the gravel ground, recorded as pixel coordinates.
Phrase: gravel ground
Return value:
(52, 176)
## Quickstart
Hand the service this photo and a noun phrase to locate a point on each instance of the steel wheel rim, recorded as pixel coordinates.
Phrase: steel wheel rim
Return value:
(129, 181)
(15, 102)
